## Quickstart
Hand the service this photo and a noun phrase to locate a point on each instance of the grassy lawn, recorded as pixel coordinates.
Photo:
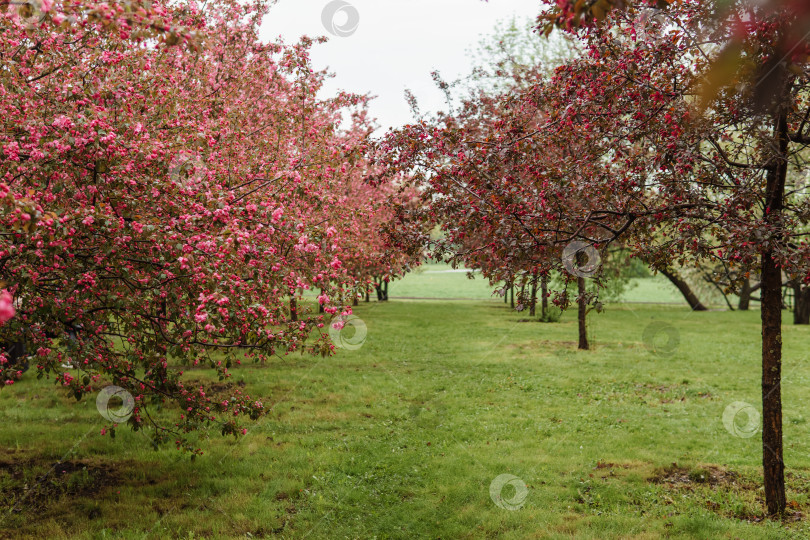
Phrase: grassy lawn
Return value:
(404, 437)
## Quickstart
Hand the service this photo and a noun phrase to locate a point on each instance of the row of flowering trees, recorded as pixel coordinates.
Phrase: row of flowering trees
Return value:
(649, 139)
(170, 184)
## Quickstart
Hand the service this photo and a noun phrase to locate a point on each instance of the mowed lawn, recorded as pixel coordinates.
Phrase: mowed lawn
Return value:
(404, 437)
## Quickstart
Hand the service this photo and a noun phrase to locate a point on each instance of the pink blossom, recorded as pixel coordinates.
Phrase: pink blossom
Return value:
(7, 310)
(63, 122)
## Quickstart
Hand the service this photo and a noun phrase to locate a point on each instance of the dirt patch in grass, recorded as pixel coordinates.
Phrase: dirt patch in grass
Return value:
(222, 389)
(31, 485)
(675, 476)
(705, 479)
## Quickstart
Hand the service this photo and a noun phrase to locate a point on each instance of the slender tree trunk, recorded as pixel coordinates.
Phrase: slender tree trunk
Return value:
(378, 288)
(293, 309)
(745, 295)
(506, 294)
(582, 312)
(385, 291)
(801, 304)
(544, 294)
(691, 298)
(773, 466)
(320, 306)
(533, 299)
(771, 313)
(512, 296)
(356, 301)
(368, 298)
(522, 295)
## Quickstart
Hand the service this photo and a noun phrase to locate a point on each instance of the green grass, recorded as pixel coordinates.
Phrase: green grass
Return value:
(403, 437)
(441, 281)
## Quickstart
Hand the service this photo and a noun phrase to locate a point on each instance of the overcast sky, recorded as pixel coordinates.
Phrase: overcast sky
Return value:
(391, 45)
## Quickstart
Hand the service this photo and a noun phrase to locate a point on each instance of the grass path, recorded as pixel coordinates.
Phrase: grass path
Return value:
(404, 437)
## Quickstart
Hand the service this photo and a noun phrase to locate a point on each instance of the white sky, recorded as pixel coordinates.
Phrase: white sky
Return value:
(397, 44)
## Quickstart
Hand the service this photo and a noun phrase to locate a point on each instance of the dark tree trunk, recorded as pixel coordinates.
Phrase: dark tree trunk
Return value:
(506, 294)
(533, 299)
(771, 313)
(691, 298)
(356, 301)
(582, 313)
(320, 306)
(378, 289)
(544, 294)
(801, 304)
(293, 309)
(773, 466)
(745, 295)
(368, 296)
(512, 296)
(385, 292)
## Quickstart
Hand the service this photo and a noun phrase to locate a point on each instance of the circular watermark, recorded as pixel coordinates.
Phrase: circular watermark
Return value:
(428, 414)
(27, 13)
(516, 501)
(802, 182)
(741, 419)
(340, 18)
(572, 259)
(661, 339)
(122, 413)
(187, 170)
(348, 332)
(650, 24)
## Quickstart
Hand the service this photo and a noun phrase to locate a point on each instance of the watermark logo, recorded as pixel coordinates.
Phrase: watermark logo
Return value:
(187, 170)
(581, 259)
(340, 18)
(348, 332)
(122, 413)
(741, 419)
(661, 339)
(513, 501)
(428, 414)
(650, 25)
(28, 13)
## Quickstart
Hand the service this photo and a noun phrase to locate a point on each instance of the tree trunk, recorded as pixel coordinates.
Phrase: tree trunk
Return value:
(293, 309)
(691, 298)
(368, 298)
(801, 304)
(583, 310)
(773, 466)
(512, 296)
(356, 301)
(533, 299)
(378, 288)
(522, 295)
(544, 294)
(745, 295)
(320, 306)
(385, 292)
(771, 313)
